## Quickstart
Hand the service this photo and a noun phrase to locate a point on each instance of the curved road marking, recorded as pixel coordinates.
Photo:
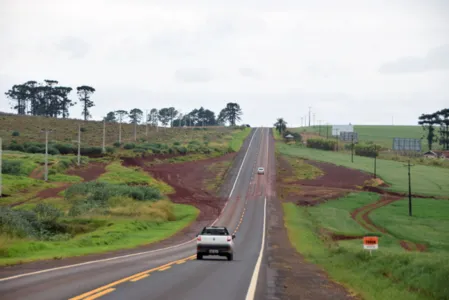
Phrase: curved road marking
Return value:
(139, 253)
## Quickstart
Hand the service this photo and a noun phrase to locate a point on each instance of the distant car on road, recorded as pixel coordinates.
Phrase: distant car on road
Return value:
(215, 240)
(260, 170)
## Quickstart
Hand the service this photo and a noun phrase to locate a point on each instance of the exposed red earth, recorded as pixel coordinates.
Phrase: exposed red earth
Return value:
(336, 182)
(187, 180)
(87, 173)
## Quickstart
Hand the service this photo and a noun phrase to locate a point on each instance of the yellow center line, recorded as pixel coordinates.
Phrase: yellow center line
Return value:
(100, 294)
(180, 262)
(108, 286)
(140, 277)
(163, 269)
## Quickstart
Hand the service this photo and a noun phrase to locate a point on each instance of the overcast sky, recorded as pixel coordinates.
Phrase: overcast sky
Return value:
(354, 61)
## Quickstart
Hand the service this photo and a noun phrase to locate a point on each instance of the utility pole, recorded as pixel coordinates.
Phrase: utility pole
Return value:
(336, 138)
(314, 123)
(79, 145)
(319, 127)
(104, 137)
(352, 147)
(146, 122)
(375, 164)
(1, 155)
(309, 114)
(46, 131)
(409, 189)
(120, 130)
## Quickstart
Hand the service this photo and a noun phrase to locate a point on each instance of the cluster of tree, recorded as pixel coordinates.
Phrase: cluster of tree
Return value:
(171, 116)
(48, 99)
(322, 144)
(281, 127)
(430, 122)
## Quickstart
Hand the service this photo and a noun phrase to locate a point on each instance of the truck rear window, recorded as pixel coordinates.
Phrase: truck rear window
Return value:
(214, 231)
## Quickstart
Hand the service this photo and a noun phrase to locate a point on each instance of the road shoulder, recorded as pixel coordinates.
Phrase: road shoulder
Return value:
(290, 276)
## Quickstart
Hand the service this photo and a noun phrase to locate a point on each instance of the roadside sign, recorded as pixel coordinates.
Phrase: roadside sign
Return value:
(370, 243)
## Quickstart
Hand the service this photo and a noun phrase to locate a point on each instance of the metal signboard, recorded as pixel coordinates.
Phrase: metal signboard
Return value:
(336, 129)
(407, 144)
(349, 136)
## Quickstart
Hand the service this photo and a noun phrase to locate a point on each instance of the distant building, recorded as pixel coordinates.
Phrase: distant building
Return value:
(436, 154)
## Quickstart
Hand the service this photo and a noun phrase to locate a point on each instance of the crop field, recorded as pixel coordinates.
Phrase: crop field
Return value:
(380, 134)
(327, 213)
(111, 201)
(28, 129)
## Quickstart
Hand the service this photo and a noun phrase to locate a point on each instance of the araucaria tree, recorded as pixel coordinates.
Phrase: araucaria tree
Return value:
(231, 113)
(280, 125)
(84, 92)
(41, 99)
(428, 122)
(135, 115)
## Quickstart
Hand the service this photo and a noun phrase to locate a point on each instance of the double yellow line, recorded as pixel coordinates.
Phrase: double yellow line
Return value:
(106, 289)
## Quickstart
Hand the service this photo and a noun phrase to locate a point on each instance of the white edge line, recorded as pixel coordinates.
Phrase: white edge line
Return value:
(139, 253)
(253, 284)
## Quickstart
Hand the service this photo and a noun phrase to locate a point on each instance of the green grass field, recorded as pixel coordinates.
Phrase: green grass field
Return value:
(108, 234)
(118, 174)
(429, 222)
(426, 180)
(391, 272)
(380, 134)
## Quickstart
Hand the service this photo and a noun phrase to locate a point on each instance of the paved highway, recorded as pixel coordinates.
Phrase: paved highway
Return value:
(174, 273)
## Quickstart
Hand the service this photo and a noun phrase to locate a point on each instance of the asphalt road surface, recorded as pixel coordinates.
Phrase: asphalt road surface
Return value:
(174, 273)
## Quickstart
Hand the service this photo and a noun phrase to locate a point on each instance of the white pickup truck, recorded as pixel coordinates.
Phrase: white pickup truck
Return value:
(215, 240)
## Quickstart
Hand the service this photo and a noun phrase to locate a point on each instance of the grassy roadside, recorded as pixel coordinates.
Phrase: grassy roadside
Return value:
(118, 174)
(390, 273)
(426, 180)
(109, 234)
(238, 138)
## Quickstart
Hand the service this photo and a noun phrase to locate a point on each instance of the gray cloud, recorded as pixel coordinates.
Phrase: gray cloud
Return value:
(436, 59)
(191, 75)
(76, 47)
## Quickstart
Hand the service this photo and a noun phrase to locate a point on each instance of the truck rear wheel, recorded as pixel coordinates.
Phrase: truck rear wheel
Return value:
(199, 256)
(231, 256)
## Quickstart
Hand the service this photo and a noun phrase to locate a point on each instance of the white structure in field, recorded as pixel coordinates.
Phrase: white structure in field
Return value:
(336, 129)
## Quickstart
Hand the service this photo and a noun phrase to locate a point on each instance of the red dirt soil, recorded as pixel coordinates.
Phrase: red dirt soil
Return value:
(87, 173)
(336, 182)
(187, 180)
(336, 177)
(368, 224)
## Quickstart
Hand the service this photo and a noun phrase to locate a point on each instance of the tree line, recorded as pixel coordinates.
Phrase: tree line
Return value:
(48, 99)
(171, 116)
(430, 122)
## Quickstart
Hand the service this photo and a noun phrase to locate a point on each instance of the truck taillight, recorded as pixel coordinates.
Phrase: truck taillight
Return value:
(229, 238)
(198, 238)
